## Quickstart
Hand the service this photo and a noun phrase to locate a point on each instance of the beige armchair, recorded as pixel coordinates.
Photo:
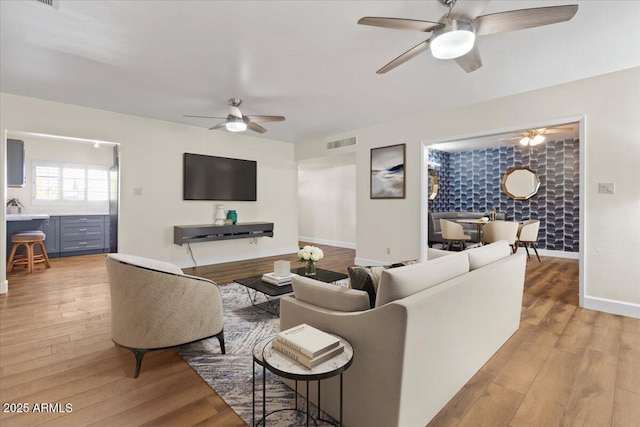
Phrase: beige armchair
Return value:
(155, 306)
(528, 236)
(452, 233)
(501, 230)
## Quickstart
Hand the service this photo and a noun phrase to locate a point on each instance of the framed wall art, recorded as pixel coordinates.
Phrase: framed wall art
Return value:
(387, 172)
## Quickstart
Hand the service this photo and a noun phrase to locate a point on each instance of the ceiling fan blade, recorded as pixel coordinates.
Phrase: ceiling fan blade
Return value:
(470, 61)
(400, 23)
(262, 119)
(414, 51)
(204, 117)
(556, 130)
(525, 18)
(220, 126)
(467, 10)
(255, 127)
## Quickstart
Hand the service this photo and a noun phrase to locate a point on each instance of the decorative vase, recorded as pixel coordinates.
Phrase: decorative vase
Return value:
(232, 215)
(310, 268)
(220, 215)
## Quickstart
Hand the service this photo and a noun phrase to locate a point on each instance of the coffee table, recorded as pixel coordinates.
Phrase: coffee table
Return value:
(271, 292)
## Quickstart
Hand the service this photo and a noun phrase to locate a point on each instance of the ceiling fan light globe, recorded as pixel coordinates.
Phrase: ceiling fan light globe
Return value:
(525, 141)
(236, 126)
(538, 139)
(453, 41)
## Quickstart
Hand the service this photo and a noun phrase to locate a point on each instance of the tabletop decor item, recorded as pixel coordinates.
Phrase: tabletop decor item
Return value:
(232, 215)
(221, 216)
(310, 255)
(14, 206)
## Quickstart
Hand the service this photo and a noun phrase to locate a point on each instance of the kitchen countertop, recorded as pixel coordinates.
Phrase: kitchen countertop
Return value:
(26, 217)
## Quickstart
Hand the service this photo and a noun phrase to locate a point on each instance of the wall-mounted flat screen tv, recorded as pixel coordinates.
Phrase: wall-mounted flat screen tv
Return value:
(219, 178)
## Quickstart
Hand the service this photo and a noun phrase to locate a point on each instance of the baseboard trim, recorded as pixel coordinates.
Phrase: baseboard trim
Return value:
(236, 257)
(369, 262)
(336, 243)
(552, 253)
(4, 287)
(612, 306)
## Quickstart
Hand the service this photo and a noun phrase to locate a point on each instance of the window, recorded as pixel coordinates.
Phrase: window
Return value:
(70, 184)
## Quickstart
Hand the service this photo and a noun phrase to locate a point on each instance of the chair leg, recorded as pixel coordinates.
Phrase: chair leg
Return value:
(30, 257)
(526, 248)
(139, 355)
(535, 248)
(45, 255)
(220, 337)
(14, 248)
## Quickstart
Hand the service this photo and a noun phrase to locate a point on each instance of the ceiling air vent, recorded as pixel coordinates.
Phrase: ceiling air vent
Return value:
(347, 142)
(51, 3)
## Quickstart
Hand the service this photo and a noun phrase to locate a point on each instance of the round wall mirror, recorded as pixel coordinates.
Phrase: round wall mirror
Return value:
(433, 184)
(520, 183)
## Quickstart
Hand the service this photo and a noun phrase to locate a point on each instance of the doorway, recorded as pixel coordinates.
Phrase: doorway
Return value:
(470, 169)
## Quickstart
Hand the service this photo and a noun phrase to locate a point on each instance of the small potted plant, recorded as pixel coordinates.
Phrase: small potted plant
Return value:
(14, 206)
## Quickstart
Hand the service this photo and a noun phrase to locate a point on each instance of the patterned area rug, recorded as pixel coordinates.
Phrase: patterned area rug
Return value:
(230, 375)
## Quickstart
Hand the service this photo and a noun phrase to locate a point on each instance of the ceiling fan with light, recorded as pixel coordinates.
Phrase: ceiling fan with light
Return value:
(237, 122)
(454, 35)
(533, 137)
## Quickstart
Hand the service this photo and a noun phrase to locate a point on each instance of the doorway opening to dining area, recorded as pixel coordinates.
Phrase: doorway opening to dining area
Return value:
(480, 175)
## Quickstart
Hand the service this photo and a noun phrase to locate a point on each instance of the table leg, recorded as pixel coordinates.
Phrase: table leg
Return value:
(264, 396)
(308, 403)
(253, 394)
(340, 400)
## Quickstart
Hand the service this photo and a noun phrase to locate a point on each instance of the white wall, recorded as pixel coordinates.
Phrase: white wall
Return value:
(41, 149)
(612, 150)
(151, 158)
(327, 205)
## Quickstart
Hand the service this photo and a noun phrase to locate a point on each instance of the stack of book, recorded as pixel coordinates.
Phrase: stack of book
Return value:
(277, 280)
(307, 345)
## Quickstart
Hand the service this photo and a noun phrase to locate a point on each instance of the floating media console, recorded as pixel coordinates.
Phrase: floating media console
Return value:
(208, 232)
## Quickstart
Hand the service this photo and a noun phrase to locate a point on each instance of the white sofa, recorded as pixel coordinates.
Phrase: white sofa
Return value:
(435, 324)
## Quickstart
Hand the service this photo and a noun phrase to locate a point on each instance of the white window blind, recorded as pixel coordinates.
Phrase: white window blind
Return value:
(63, 184)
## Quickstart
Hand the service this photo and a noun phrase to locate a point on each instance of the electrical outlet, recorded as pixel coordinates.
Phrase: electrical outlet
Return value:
(137, 191)
(388, 251)
(606, 188)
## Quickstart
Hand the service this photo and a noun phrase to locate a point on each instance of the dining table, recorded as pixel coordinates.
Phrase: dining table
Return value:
(479, 223)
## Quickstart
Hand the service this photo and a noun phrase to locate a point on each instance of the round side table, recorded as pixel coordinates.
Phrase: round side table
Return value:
(269, 358)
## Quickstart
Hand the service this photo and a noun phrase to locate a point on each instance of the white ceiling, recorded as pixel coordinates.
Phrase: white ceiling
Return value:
(306, 60)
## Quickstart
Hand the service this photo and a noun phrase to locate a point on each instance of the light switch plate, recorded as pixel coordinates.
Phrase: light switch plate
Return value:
(137, 191)
(606, 188)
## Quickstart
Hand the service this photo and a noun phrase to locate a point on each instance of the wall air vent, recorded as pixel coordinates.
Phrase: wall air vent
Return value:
(347, 142)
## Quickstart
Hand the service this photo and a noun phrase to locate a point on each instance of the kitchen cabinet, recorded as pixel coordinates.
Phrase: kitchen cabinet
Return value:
(51, 228)
(16, 176)
(82, 233)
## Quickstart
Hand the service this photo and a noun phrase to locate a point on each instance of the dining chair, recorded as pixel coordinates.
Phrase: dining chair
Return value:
(453, 233)
(528, 235)
(501, 230)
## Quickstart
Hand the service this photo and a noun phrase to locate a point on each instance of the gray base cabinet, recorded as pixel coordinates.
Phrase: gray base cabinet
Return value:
(82, 233)
(51, 228)
(67, 235)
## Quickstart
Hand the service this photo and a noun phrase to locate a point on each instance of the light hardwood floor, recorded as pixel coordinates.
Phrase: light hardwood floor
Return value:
(565, 366)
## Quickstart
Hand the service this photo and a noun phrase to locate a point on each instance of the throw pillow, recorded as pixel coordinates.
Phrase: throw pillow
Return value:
(367, 278)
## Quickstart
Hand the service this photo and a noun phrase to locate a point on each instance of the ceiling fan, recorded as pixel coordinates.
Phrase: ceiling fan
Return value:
(237, 122)
(533, 137)
(453, 36)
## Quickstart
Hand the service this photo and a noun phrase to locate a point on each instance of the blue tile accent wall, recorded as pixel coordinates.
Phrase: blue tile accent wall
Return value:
(470, 181)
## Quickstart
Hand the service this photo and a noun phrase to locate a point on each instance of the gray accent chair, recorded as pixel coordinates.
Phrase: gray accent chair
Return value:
(435, 232)
(155, 306)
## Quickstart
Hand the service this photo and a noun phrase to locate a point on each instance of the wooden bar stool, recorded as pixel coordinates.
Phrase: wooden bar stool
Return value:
(28, 239)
